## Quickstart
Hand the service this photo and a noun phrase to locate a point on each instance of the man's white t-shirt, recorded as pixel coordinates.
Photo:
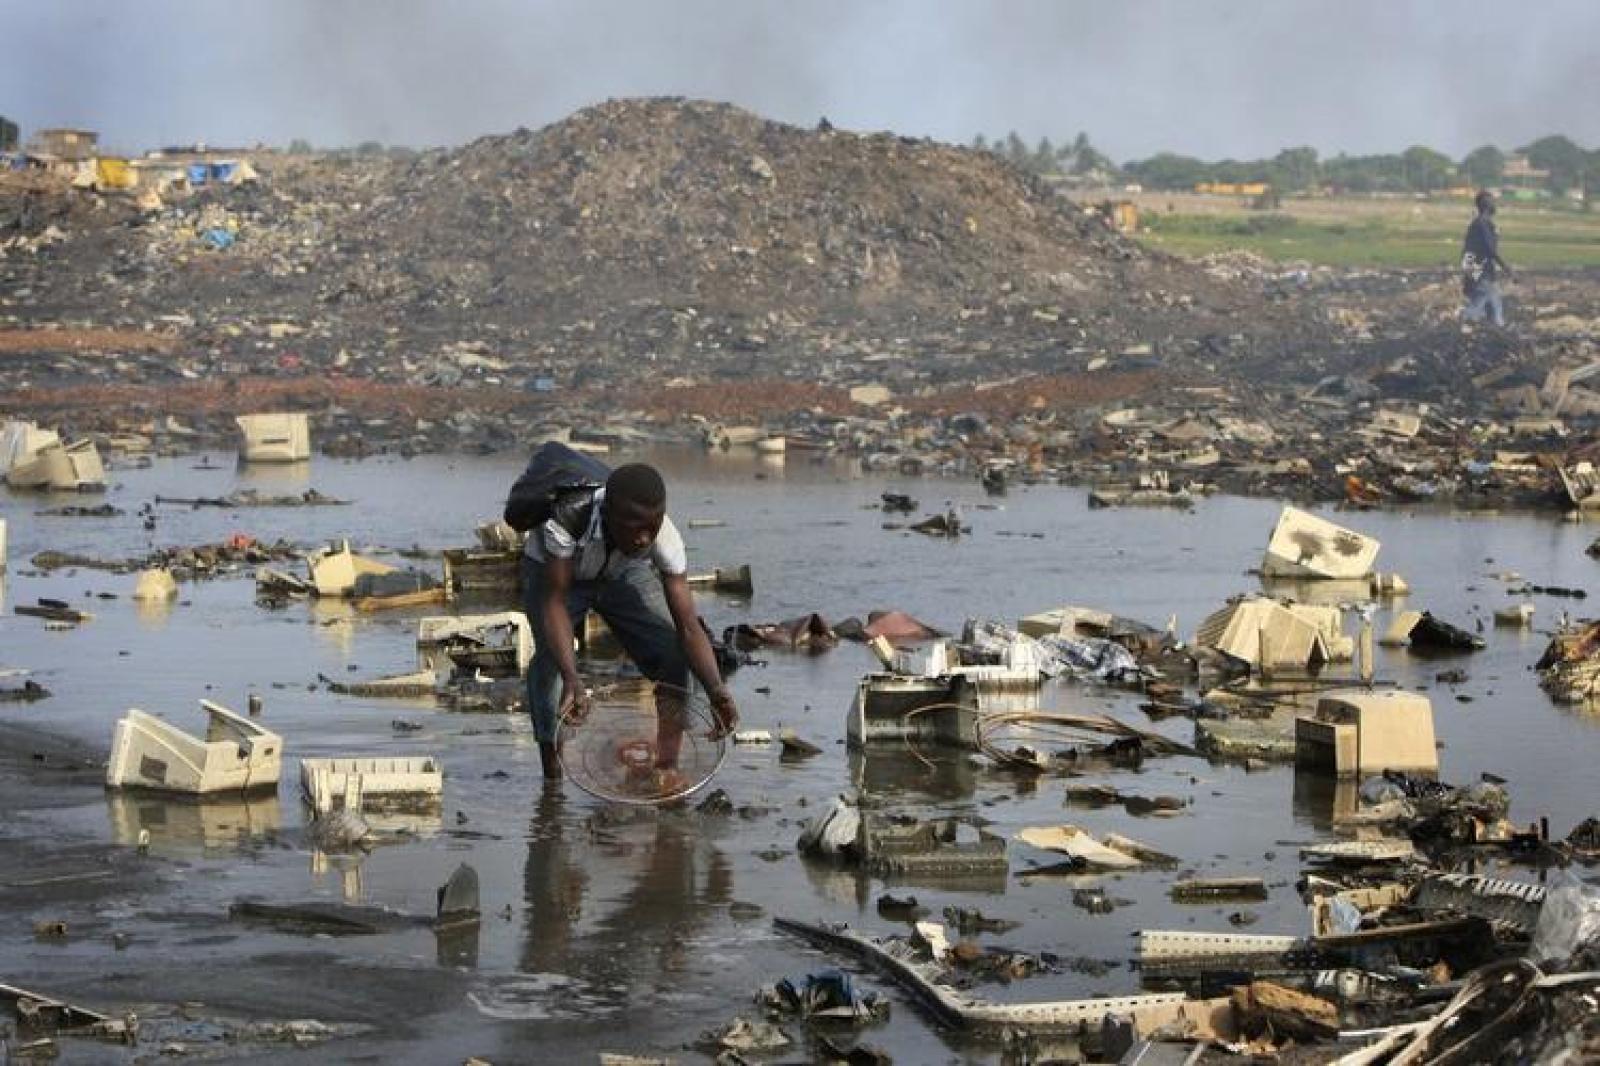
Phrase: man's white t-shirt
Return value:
(591, 559)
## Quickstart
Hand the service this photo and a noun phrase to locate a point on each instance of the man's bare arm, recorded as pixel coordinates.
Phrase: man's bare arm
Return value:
(697, 649)
(557, 629)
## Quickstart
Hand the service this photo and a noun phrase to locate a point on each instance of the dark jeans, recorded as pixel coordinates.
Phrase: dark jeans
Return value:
(632, 604)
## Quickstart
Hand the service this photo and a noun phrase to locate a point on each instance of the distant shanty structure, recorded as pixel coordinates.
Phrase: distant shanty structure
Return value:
(194, 166)
(75, 154)
(65, 145)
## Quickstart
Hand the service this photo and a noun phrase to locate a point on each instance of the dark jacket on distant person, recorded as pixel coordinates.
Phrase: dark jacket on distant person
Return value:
(1480, 253)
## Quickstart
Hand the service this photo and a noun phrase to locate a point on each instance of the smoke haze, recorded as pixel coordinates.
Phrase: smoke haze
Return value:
(1216, 80)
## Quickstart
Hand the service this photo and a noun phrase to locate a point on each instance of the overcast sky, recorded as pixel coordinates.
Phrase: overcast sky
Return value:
(1239, 79)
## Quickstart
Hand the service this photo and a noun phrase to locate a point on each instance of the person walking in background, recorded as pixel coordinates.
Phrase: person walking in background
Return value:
(1482, 267)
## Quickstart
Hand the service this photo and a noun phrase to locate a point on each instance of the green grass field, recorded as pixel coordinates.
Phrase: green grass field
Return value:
(1371, 233)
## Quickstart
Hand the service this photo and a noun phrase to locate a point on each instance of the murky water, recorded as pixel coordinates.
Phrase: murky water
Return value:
(617, 934)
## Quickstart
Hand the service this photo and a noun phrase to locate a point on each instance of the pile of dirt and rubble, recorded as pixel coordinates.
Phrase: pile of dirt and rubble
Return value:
(639, 227)
(646, 267)
(660, 209)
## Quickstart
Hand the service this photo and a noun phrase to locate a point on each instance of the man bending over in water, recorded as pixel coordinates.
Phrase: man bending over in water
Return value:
(614, 551)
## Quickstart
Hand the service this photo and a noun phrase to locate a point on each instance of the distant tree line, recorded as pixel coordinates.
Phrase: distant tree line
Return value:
(1078, 158)
(1562, 165)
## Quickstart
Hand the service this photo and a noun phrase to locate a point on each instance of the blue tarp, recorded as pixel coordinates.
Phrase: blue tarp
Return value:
(218, 238)
(223, 171)
(829, 994)
(198, 172)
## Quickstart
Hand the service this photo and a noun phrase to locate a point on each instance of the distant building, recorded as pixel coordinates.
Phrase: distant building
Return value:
(1518, 173)
(8, 135)
(65, 145)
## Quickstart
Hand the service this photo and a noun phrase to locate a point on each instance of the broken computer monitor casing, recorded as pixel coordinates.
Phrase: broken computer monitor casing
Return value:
(1356, 731)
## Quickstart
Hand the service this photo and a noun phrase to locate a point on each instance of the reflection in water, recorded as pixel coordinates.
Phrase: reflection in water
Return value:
(1330, 593)
(553, 886)
(680, 877)
(178, 822)
(457, 945)
(419, 818)
(334, 621)
(640, 890)
(153, 614)
(1321, 799)
(837, 883)
(352, 883)
(537, 997)
(890, 770)
(275, 479)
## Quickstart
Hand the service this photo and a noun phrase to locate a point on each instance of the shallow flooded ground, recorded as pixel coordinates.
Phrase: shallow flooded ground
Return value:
(617, 931)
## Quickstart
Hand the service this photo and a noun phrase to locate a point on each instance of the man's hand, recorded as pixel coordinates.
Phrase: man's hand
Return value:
(575, 702)
(725, 712)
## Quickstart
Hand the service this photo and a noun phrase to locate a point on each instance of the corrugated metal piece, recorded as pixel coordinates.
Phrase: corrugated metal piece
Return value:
(1167, 944)
(961, 1011)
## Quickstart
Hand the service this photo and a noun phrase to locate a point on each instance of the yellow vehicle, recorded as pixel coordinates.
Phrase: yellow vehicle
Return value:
(1233, 188)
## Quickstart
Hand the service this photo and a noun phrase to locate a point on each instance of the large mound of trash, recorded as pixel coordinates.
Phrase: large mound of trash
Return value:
(676, 268)
(648, 227)
(671, 207)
